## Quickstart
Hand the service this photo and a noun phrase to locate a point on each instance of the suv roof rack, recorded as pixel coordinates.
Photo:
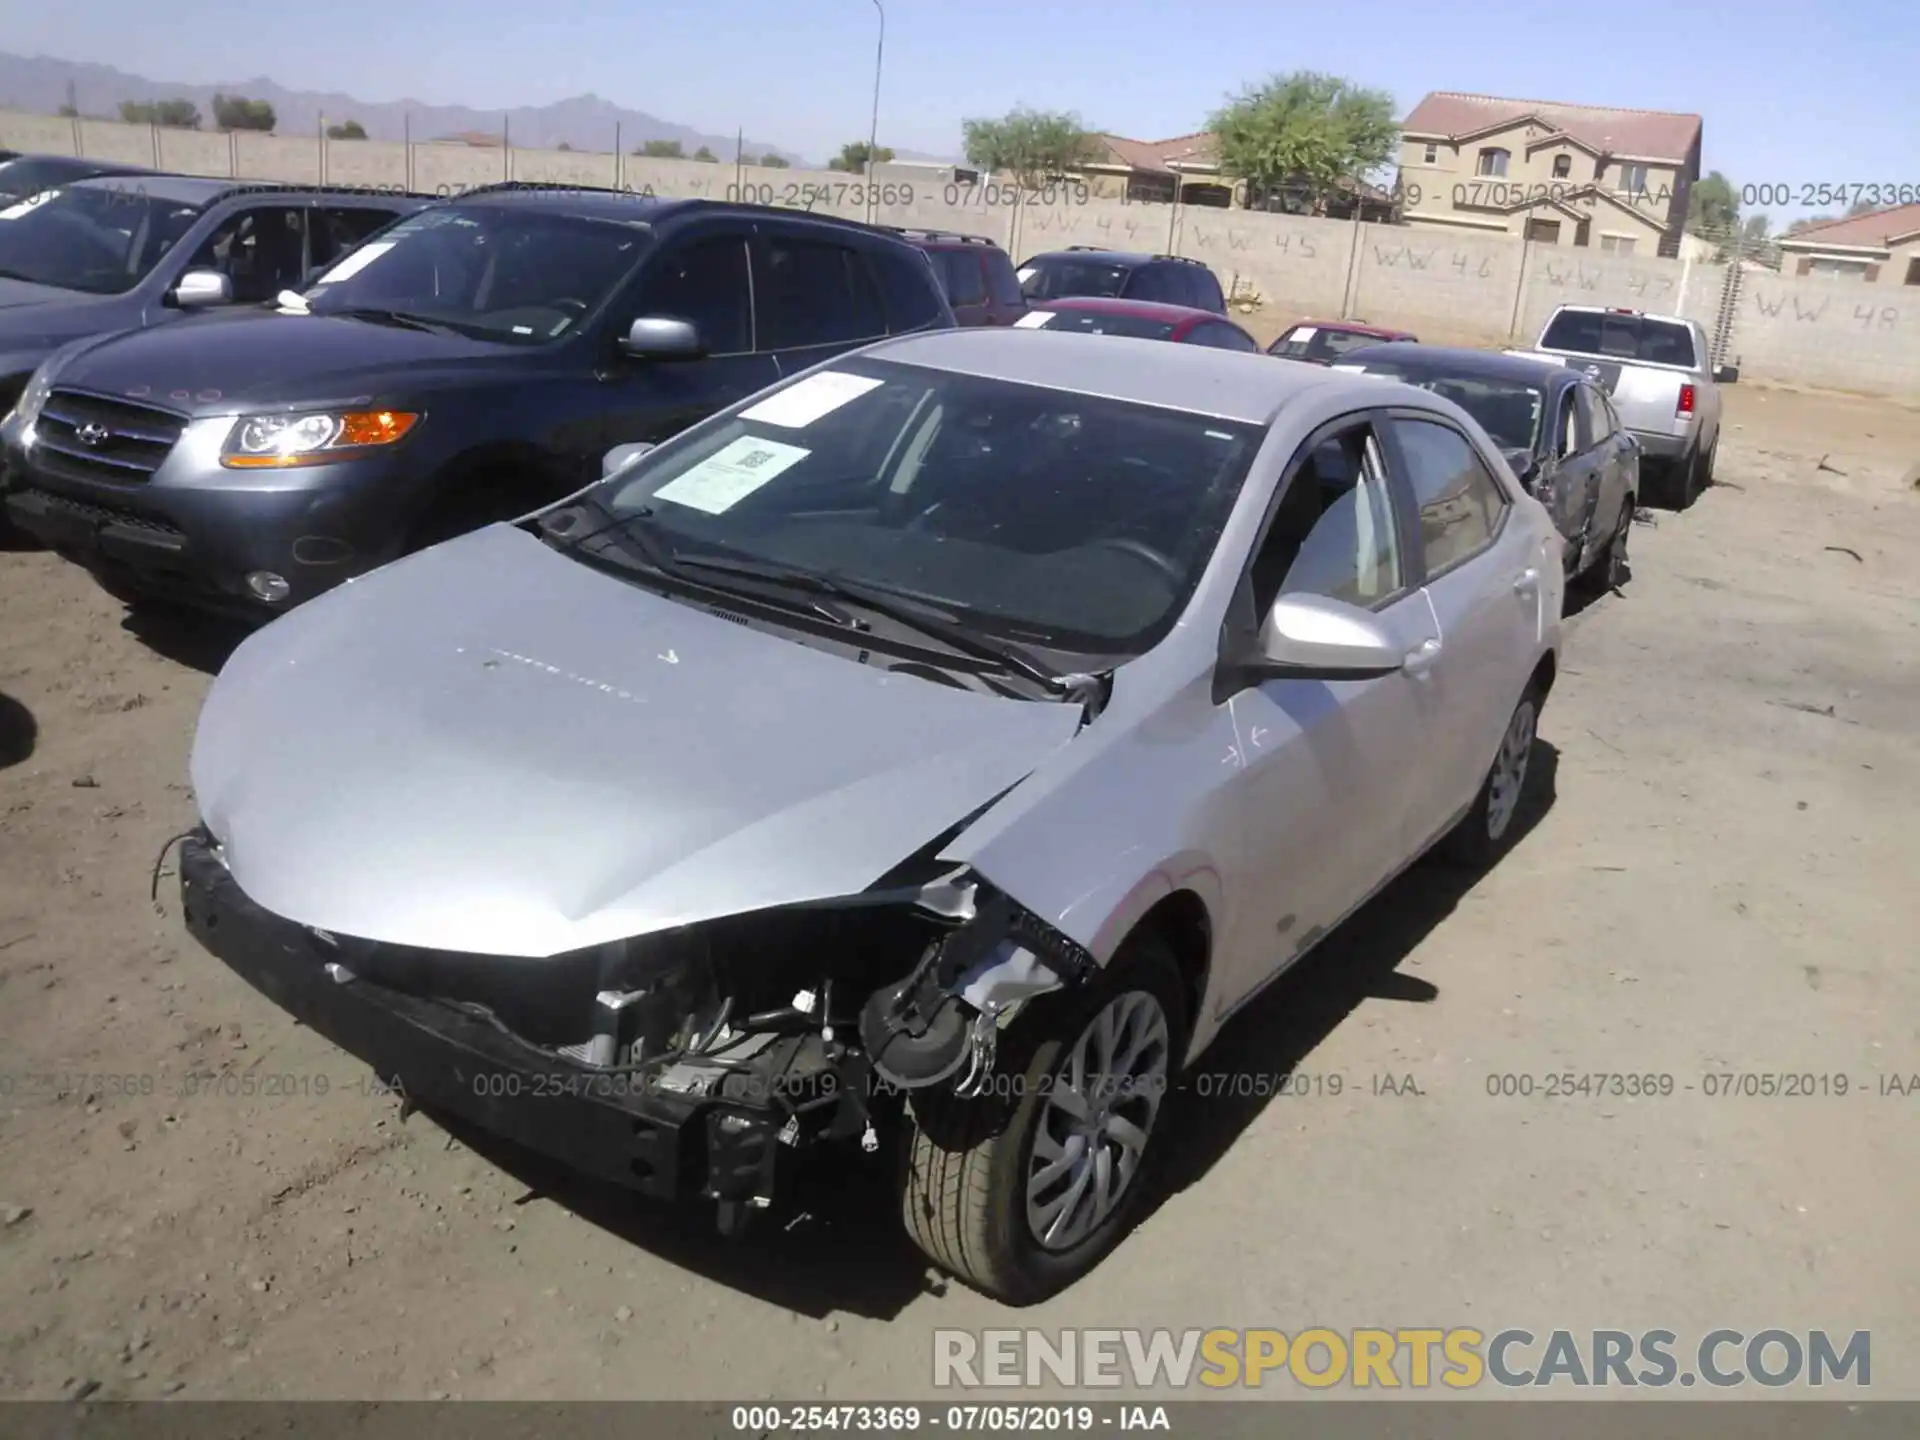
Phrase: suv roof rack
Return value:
(538, 185)
(1183, 259)
(939, 235)
(1086, 247)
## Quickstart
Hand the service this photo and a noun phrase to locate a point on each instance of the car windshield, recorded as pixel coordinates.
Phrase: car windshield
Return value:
(1508, 411)
(30, 175)
(1093, 322)
(1623, 337)
(1050, 277)
(1074, 522)
(494, 272)
(99, 239)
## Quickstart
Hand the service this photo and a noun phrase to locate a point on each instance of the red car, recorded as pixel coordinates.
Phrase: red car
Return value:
(1321, 342)
(1144, 319)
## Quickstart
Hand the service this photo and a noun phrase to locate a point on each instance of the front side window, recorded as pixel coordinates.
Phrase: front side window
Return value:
(1332, 532)
(262, 250)
(703, 282)
(1056, 276)
(333, 231)
(101, 239)
(811, 292)
(495, 272)
(1073, 522)
(1000, 276)
(1460, 502)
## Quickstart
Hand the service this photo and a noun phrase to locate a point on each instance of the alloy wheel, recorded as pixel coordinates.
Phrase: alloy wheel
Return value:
(1510, 770)
(1095, 1120)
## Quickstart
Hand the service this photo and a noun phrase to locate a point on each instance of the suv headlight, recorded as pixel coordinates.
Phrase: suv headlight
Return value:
(39, 385)
(260, 442)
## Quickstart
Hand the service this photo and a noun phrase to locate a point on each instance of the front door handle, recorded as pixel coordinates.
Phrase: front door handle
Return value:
(1420, 659)
(1528, 583)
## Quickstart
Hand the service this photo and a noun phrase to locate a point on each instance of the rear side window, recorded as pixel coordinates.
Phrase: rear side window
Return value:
(1335, 343)
(966, 285)
(1221, 336)
(1001, 279)
(813, 292)
(1461, 504)
(1151, 282)
(1206, 289)
(1621, 337)
(910, 286)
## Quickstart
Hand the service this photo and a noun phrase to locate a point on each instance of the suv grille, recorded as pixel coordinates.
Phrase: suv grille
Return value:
(89, 437)
(102, 514)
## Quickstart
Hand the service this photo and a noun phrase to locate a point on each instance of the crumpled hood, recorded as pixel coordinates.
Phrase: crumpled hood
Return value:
(493, 748)
(212, 364)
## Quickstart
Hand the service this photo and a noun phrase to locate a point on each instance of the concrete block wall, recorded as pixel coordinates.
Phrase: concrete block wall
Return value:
(1454, 288)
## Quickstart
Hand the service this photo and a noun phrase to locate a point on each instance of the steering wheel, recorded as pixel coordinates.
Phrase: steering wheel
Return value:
(1142, 552)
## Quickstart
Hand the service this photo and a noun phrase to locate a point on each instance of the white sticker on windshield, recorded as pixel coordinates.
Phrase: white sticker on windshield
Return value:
(1033, 319)
(800, 405)
(32, 202)
(356, 262)
(730, 474)
(1305, 332)
(1023, 276)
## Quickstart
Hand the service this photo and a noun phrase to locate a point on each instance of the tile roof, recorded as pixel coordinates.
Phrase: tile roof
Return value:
(1160, 155)
(1872, 230)
(1657, 134)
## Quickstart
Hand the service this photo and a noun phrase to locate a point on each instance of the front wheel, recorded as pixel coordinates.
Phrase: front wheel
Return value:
(1023, 1190)
(1486, 830)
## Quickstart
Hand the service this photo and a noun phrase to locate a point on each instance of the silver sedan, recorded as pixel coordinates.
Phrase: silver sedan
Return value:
(915, 764)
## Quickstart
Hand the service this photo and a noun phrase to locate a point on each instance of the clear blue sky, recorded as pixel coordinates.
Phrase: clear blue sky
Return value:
(1789, 95)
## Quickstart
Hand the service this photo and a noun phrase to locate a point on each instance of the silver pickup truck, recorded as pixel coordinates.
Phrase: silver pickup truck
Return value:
(1659, 372)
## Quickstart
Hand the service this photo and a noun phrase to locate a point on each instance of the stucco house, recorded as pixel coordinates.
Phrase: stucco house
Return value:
(1577, 175)
(1882, 246)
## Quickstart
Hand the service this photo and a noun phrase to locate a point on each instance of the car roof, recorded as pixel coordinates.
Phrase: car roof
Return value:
(205, 190)
(1350, 327)
(1100, 257)
(630, 207)
(1111, 305)
(1230, 384)
(942, 239)
(1451, 360)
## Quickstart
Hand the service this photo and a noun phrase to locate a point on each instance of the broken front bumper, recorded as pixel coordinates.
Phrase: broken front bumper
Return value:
(719, 1138)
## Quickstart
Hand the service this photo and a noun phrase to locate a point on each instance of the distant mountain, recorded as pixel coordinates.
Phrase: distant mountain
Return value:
(41, 84)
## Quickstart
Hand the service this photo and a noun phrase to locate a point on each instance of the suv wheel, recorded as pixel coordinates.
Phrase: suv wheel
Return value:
(1024, 1190)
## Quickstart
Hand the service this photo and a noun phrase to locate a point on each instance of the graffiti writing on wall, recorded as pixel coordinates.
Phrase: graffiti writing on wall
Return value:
(1639, 283)
(1040, 222)
(1459, 263)
(1811, 312)
(1286, 242)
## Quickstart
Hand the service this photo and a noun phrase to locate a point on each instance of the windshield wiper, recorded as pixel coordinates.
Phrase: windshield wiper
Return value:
(391, 317)
(915, 614)
(633, 528)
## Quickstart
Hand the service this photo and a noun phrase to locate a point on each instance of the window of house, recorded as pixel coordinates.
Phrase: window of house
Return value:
(1492, 162)
(1829, 265)
(1617, 244)
(1562, 166)
(1913, 272)
(1633, 179)
(1545, 232)
(1433, 154)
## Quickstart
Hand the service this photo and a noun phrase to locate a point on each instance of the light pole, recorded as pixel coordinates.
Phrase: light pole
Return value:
(873, 130)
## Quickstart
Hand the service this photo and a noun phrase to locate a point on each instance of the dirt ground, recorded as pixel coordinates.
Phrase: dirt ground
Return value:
(1719, 877)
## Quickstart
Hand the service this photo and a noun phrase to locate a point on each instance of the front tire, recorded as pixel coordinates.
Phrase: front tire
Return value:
(1486, 831)
(1022, 1191)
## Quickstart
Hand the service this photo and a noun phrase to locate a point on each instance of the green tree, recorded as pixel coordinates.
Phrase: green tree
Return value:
(1713, 206)
(1305, 131)
(1861, 207)
(707, 156)
(853, 157)
(180, 114)
(1031, 145)
(771, 161)
(67, 112)
(662, 150)
(347, 130)
(563, 145)
(236, 112)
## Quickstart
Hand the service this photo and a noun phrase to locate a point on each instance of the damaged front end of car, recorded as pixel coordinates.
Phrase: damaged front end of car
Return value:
(715, 1061)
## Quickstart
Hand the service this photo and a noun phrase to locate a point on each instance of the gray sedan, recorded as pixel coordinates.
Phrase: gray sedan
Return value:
(919, 762)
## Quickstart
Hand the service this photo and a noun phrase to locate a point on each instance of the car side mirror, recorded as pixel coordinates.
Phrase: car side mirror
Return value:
(198, 289)
(1726, 374)
(620, 456)
(1311, 637)
(657, 337)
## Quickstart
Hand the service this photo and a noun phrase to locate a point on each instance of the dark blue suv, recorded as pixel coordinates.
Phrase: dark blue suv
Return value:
(1121, 275)
(470, 363)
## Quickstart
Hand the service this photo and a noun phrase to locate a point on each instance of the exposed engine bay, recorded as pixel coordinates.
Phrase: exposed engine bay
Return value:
(791, 1028)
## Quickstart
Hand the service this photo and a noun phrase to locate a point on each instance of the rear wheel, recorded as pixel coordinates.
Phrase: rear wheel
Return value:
(1024, 1190)
(1609, 570)
(1486, 830)
(1683, 481)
